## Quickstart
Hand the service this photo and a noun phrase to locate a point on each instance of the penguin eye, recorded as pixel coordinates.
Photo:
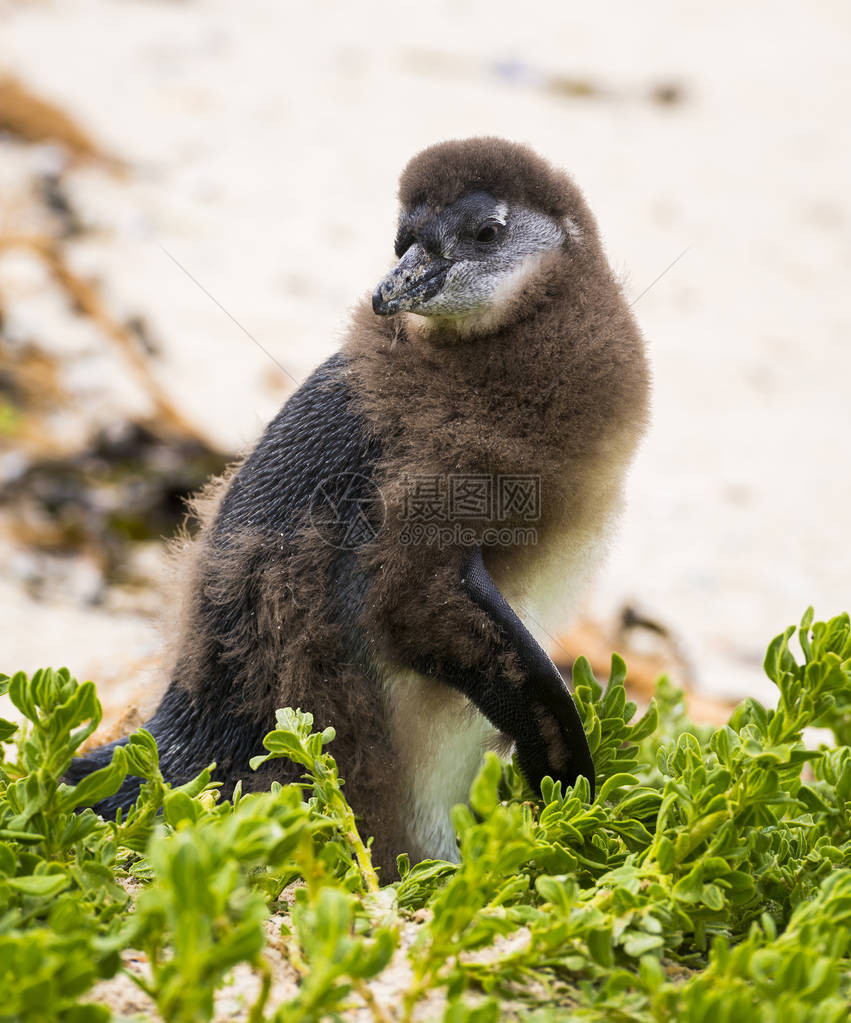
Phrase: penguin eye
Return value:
(487, 232)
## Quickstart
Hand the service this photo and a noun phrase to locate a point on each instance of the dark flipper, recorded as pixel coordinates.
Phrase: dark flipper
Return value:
(231, 672)
(539, 715)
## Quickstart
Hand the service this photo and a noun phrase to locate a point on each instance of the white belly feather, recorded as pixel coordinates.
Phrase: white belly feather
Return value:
(440, 736)
(441, 739)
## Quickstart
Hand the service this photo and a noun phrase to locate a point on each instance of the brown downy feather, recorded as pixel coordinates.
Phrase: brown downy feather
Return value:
(558, 389)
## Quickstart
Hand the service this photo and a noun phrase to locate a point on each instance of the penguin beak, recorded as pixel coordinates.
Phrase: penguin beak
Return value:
(417, 277)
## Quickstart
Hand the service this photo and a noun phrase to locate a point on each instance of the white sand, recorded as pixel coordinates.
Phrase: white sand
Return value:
(265, 140)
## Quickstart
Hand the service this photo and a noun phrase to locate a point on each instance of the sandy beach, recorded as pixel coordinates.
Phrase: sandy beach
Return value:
(244, 200)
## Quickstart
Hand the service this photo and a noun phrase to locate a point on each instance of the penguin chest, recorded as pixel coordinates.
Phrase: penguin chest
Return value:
(545, 581)
(440, 739)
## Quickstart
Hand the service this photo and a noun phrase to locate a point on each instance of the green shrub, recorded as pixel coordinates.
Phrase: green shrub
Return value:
(709, 880)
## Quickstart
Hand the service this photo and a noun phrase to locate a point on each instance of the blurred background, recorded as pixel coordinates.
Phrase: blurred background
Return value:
(193, 193)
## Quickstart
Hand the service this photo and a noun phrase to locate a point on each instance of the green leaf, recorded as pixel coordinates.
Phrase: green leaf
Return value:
(42, 885)
(646, 724)
(613, 783)
(599, 942)
(96, 786)
(637, 943)
(484, 793)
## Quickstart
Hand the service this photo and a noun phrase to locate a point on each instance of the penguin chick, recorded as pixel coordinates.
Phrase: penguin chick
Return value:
(433, 492)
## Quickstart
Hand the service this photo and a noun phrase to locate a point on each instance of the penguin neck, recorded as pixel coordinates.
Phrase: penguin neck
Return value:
(519, 296)
(540, 393)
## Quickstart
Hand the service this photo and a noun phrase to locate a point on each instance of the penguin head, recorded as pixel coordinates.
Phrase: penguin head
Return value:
(480, 220)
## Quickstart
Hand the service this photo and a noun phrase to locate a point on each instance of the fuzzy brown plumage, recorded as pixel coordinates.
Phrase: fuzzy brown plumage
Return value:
(560, 390)
(275, 616)
(442, 173)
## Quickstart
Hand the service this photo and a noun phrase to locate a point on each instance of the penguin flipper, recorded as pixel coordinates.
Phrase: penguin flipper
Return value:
(539, 714)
